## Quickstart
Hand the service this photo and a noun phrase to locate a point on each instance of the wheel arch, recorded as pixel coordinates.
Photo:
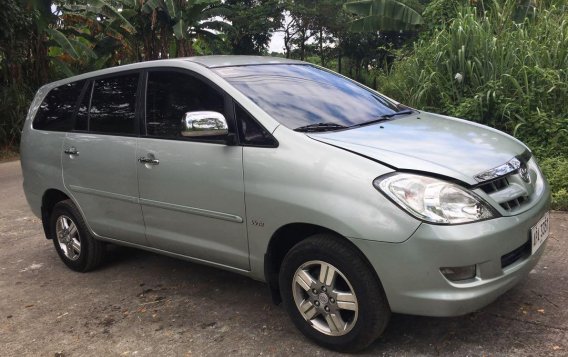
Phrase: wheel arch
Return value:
(49, 199)
(286, 237)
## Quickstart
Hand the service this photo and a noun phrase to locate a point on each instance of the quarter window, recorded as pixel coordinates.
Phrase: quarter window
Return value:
(172, 94)
(250, 131)
(56, 111)
(113, 106)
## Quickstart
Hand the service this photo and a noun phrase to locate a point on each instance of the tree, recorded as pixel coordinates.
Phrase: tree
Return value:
(383, 15)
(300, 25)
(15, 23)
(253, 22)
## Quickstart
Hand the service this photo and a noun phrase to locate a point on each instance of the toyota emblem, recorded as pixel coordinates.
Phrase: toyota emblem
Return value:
(524, 173)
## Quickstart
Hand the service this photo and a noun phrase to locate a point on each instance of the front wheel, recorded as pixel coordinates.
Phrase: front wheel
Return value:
(332, 295)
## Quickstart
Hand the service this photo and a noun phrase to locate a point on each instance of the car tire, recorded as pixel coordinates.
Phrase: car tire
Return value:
(344, 304)
(72, 240)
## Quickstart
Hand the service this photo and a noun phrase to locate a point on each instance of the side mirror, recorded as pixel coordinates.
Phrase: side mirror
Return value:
(203, 124)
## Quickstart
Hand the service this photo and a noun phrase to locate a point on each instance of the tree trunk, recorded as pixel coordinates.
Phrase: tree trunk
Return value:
(40, 64)
(180, 50)
(287, 45)
(322, 57)
(189, 47)
(184, 48)
(164, 43)
(303, 45)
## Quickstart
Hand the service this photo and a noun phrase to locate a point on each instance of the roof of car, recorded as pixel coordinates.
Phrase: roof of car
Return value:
(205, 61)
(226, 61)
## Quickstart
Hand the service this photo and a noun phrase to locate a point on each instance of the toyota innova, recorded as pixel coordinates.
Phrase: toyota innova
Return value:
(347, 203)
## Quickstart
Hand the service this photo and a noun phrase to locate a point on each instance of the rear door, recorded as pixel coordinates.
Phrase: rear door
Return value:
(192, 197)
(99, 157)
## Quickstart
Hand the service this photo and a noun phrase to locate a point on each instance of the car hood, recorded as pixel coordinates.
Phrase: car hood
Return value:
(430, 143)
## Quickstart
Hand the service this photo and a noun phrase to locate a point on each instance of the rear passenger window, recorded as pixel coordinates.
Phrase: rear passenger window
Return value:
(170, 95)
(113, 105)
(56, 111)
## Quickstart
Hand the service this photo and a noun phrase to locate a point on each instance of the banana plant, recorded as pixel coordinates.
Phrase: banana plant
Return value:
(189, 20)
(383, 15)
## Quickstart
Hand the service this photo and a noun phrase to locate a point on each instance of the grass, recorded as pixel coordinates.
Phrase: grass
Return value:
(556, 171)
(494, 68)
(8, 154)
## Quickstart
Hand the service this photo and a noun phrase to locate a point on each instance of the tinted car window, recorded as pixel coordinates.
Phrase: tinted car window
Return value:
(299, 95)
(250, 131)
(113, 105)
(56, 111)
(172, 94)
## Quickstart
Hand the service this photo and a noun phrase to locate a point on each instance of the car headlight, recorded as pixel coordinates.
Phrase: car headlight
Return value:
(433, 200)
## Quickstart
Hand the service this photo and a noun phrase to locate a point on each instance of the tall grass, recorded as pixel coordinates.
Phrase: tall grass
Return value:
(499, 64)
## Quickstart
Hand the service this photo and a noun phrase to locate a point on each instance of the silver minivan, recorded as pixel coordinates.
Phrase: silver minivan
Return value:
(347, 203)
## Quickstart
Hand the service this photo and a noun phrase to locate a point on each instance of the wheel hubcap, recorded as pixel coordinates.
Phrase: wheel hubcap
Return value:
(325, 298)
(68, 237)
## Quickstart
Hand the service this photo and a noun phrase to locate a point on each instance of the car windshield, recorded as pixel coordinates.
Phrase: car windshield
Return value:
(303, 95)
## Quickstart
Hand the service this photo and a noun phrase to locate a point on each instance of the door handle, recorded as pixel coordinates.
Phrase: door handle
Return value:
(71, 151)
(149, 161)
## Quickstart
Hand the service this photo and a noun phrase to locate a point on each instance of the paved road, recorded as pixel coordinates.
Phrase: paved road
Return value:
(142, 304)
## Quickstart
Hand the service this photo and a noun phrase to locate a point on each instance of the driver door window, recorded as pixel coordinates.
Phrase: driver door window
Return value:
(170, 95)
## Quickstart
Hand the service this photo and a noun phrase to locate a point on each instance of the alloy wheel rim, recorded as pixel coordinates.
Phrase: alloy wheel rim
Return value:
(325, 298)
(68, 237)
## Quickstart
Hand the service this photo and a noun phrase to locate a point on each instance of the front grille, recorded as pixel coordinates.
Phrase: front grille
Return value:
(509, 192)
(496, 185)
(520, 253)
(514, 203)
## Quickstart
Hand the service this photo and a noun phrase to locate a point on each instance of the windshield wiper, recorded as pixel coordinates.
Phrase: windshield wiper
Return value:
(384, 117)
(320, 127)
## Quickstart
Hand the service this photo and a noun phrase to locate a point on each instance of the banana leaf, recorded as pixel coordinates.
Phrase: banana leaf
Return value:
(383, 15)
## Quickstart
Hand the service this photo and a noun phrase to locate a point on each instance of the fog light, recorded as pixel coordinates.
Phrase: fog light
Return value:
(459, 273)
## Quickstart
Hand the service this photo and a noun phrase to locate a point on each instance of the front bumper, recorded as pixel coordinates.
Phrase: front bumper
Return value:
(410, 271)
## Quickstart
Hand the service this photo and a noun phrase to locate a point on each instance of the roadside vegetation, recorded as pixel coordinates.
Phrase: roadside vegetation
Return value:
(502, 63)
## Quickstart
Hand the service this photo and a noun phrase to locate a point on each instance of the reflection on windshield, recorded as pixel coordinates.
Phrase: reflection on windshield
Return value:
(300, 95)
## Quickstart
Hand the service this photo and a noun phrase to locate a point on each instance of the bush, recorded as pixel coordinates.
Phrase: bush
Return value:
(14, 103)
(556, 171)
(496, 68)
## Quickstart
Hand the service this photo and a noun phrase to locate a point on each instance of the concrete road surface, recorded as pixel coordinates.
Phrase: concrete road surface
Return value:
(143, 304)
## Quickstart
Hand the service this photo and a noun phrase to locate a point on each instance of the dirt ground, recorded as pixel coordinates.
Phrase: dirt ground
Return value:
(143, 304)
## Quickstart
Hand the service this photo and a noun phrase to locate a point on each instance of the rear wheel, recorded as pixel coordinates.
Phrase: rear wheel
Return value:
(74, 244)
(332, 295)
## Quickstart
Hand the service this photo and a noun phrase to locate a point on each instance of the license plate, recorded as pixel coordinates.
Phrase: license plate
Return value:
(539, 232)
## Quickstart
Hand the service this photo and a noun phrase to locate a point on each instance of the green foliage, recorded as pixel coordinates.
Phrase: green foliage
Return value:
(383, 15)
(439, 13)
(556, 171)
(253, 22)
(16, 25)
(14, 104)
(12, 20)
(491, 69)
